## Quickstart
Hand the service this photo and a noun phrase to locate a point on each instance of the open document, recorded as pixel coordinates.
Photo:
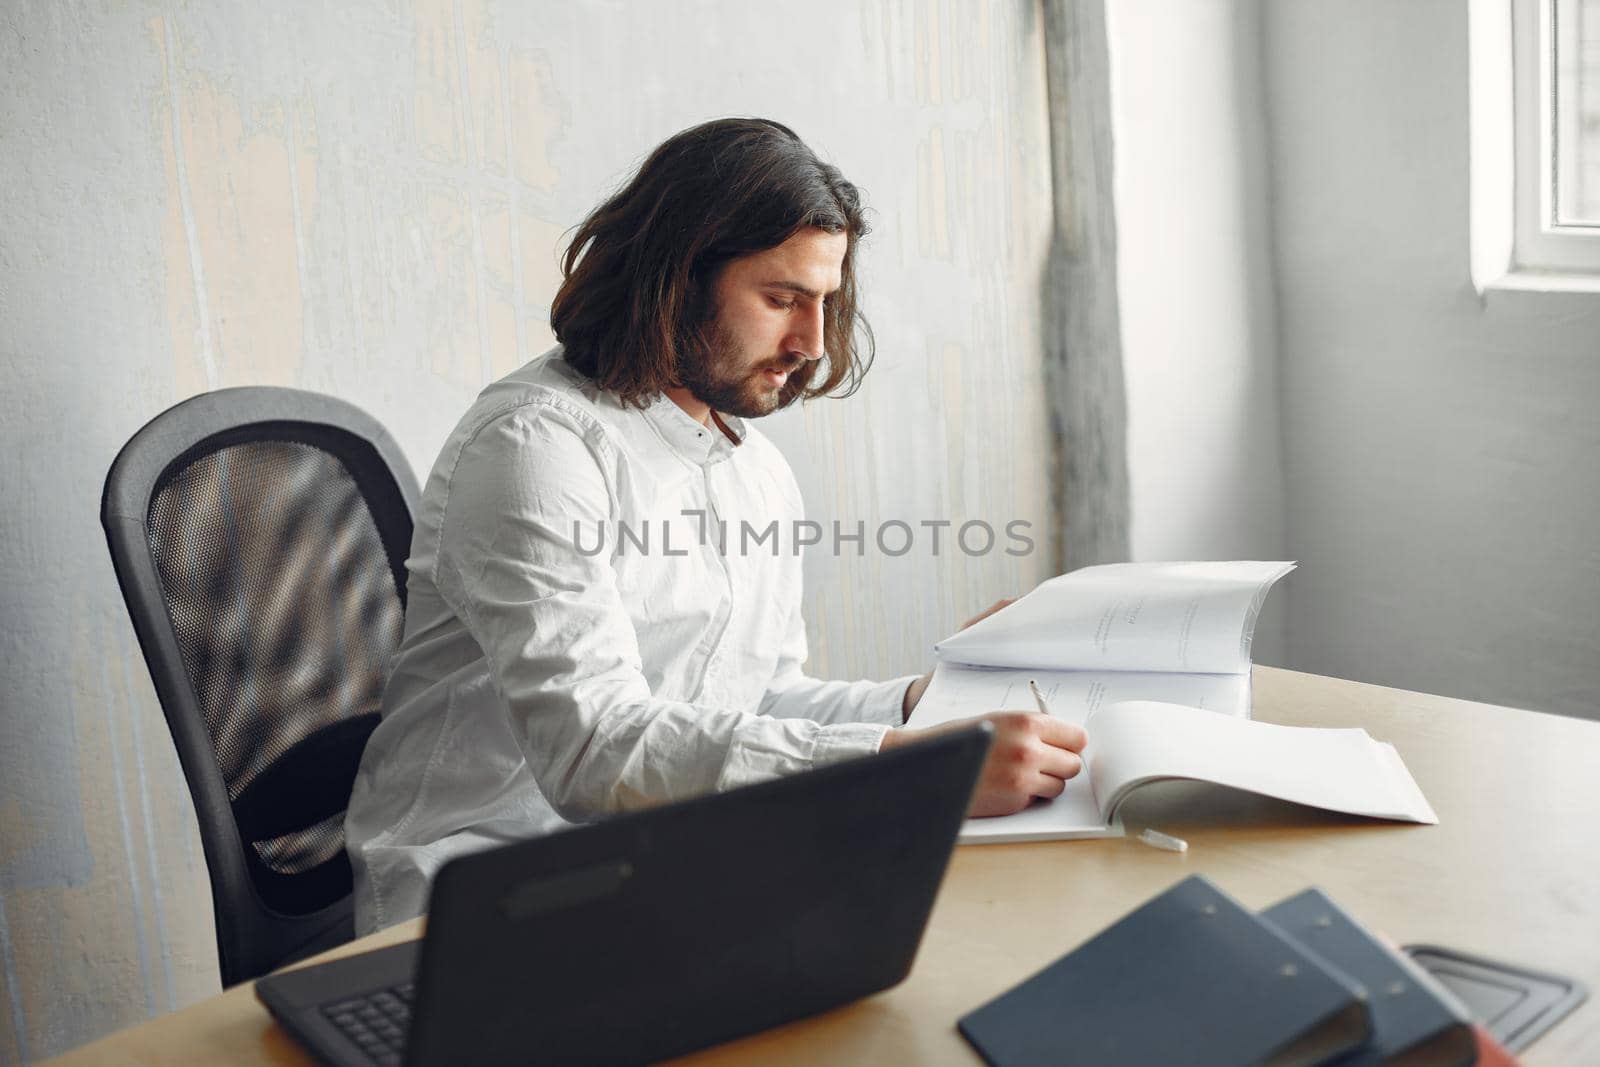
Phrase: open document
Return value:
(1174, 632)
(1139, 654)
(1141, 741)
(1178, 618)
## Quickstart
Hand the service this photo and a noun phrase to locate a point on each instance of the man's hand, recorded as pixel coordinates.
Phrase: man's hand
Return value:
(914, 691)
(1033, 755)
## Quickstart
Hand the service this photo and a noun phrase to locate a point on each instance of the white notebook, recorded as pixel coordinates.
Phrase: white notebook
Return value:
(1154, 661)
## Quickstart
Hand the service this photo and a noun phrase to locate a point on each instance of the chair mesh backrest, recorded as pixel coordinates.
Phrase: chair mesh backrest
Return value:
(284, 606)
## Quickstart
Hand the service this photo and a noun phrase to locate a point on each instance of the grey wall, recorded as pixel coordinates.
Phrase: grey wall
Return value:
(1440, 449)
(366, 199)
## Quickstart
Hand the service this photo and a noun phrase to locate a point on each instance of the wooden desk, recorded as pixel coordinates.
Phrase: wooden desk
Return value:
(1512, 871)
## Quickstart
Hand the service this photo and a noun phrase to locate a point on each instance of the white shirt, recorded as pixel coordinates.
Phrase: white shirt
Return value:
(544, 680)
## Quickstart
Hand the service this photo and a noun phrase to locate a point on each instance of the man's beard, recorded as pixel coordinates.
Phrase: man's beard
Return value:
(717, 372)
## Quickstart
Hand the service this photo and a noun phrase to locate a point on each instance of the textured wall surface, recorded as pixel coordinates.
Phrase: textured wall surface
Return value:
(366, 199)
(1440, 448)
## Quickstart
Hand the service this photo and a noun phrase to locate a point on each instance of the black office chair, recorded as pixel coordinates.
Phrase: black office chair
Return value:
(260, 537)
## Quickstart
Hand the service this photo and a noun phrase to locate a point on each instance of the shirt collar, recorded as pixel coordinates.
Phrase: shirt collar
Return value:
(705, 445)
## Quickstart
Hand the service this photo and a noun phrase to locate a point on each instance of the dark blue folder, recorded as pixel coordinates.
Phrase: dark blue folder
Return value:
(1190, 977)
(1410, 1014)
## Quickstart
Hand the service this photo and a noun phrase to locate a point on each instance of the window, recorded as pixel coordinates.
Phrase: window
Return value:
(1556, 122)
(1576, 155)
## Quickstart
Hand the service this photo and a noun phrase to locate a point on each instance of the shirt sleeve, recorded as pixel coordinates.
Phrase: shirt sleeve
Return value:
(794, 694)
(517, 565)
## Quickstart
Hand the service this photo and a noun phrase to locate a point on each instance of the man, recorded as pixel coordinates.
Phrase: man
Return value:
(558, 664)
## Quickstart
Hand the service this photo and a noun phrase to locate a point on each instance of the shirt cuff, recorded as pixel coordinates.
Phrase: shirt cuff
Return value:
(885, 702)
(846, 741)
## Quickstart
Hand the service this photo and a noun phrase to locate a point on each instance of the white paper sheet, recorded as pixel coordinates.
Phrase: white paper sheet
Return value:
(1137, 740)
(958, 692)
(1177, 617)
(1341, 770)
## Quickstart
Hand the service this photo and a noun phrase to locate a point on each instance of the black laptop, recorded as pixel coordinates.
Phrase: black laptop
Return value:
(653, 934)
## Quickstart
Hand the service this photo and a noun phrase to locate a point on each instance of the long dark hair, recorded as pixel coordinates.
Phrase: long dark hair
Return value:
(637, 274)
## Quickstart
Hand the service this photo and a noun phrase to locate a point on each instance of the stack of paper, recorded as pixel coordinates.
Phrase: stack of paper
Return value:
(1138, 654)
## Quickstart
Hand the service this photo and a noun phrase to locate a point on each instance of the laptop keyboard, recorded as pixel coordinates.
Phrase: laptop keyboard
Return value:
(376, 1022)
